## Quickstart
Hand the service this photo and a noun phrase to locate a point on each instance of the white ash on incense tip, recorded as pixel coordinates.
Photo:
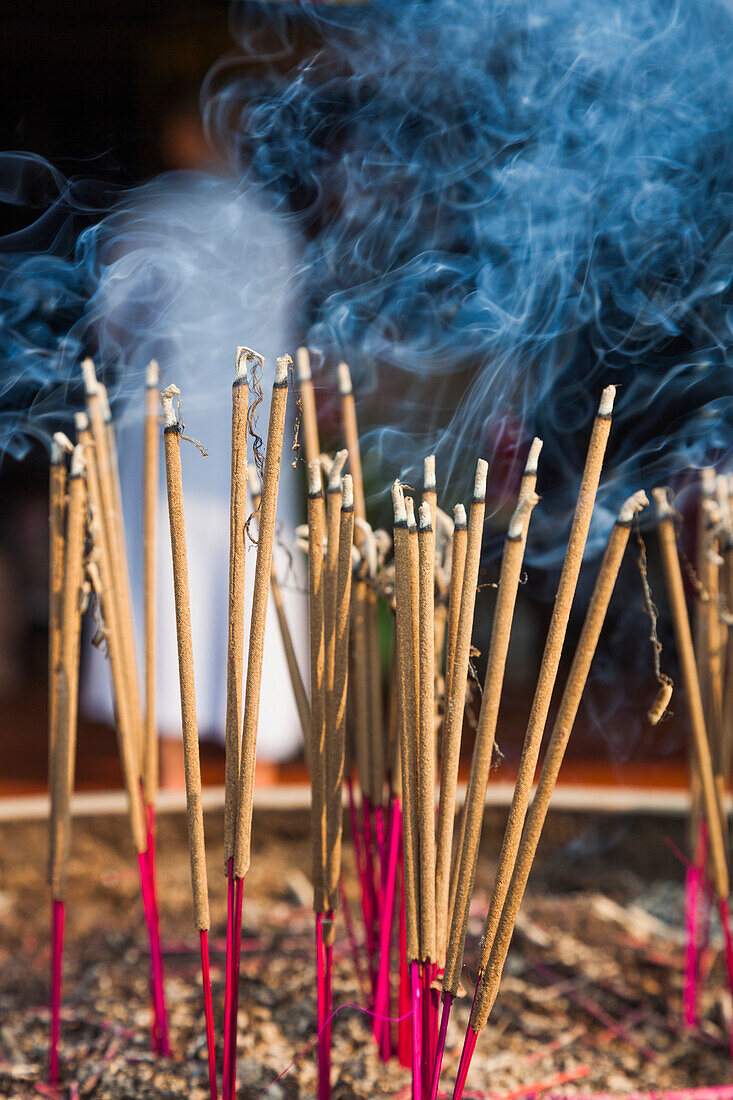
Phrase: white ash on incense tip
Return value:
(344, 379)
(314, 478)
(152, 374)
(479, 482)
(303, 364)
(608, 397)
(89, 375)
(170, 420)
(284, 362)
(60, 445)
(334, 474)
(429, 482)
(398, 503)
(347, 488)
(632, 506)
(410, 509)
(426, 519)
(460, 520)
(530, 468)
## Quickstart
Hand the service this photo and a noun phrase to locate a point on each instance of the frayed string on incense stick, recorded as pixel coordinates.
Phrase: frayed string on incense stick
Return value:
(658, 709)
(257, 441)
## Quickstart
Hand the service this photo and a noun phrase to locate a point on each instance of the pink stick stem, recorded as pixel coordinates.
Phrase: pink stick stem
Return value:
(226, 1071)
(381, 1027)
(404, 1031)
(440, 1047)
(354, 946)
(208, 1013)
(370, 876)
(156, 956)
(324, 1068)
(725, 924)
(327, 980)
(426, 1036)
(363, 884)
(416, 1029)
(469, 1045)
(58, 913)
(160, 1023)
(689, 989)
(231, 1023)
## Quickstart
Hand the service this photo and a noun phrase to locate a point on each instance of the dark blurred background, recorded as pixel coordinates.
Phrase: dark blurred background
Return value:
(110, 91)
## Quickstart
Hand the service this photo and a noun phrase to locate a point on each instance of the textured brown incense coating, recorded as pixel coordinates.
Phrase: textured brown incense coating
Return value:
(151, 446)
(296, 679)
(308, 403)
(414, 560)
(577, 678)
(67, 676)
(335, 749)
(453, 720)
(457, 569)
(258, 617)
(467, 854)
(426, 772)
(408, 719)
(550, 663)
(236, 611)
(686, 655)
(316, 532)
(100, 570)
(330, 582)
(60, 447)
(430, 489)
(189, 722)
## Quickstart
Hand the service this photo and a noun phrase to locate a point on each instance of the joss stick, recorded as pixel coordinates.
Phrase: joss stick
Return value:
(65, 714)
(150, 513)
(111, 519)
(453, 718)
(562, 729)
(457, 569)
(235, 659)
(60, 448)
(308, 402)
(101, 569)
(408, 757)
(253, 681)
(550, 662)
(316, 600)
(467, 856)
(296, 679)
(686, 653)
(336, 701)
(334, 500)
(263, 568)
(189, 722)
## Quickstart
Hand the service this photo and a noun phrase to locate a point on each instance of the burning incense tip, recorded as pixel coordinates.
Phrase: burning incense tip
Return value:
(607, 399)
(347, 488)
(243, 357)
(284, 362)
(398, 504)
(426, 520)
(523, 509)
(707, 480)
(634, 504)
(104, 403)
(81, 421)
(170, 420)
(410, 509)
(530, 469)
(89, 375)
(460, 521)
(479, 483)
(315, 488)
(334, 474)
(77, 461)
(429, 483)
(664, 508)
(303, 362)
(60, 445)
(344, 376)
(152, 374)
(659, 707)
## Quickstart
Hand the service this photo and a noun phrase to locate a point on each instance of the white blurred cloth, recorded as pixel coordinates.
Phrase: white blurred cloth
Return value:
(240, 295)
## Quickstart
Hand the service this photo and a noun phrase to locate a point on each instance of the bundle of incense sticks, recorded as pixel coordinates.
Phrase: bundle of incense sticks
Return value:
(87, 553)
(707, 668)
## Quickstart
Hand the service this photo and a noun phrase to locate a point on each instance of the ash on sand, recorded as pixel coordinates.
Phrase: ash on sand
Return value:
(591, 998)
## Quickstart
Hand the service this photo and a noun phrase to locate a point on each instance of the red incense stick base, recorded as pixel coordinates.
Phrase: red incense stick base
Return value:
(229, 1086)
(226, 1070)
(323, 997)
(58, 913)
(415, 994)
(725, 924)
(161, 1044)
(440, 1047)
(208, 1013)
(469, 1045)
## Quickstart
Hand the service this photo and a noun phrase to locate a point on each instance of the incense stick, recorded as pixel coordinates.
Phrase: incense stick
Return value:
(308, 403)
(65, 715)
(457, 570)
(335, 749)
(577, 678)
(453, 720)
(189, 721)
(61, 446)
(550, 663)
(235, 664)
(263, 569)
(683, 637)
(150, 514)
(334, 500)
(426, 735)
(316, 531)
